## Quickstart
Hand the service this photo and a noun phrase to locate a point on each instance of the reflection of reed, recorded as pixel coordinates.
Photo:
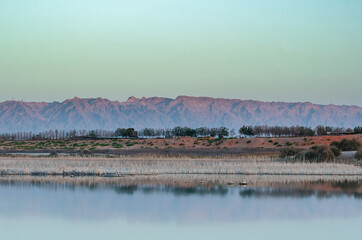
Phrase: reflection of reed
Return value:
(184, 185)
(152, 166)
(181, 198)
(193, 182)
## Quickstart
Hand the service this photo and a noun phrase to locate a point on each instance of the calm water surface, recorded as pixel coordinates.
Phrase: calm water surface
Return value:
(36, 208)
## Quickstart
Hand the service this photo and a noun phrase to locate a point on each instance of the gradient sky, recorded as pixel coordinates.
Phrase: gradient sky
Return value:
(280, 50)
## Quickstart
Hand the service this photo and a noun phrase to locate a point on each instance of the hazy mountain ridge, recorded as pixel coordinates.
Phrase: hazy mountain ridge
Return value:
(157, 112)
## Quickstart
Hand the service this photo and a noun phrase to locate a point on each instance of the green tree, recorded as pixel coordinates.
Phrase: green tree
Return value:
(177, 131)
(320, 130)
(358, 129)
(149, 132)
(223, 132)
(247, 131)
(120, 132)
(92, 134)
(213, 132)
(131, 132)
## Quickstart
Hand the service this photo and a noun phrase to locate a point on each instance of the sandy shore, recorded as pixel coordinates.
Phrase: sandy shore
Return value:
(123, 166)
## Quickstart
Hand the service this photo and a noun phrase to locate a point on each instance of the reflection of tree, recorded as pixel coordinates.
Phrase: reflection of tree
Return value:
(178, 191)
(125, 189)
(292, 190)
(358, 195)
(291, 193)
(148, 190)
(348, 186)
(247, 193)
(276, 193)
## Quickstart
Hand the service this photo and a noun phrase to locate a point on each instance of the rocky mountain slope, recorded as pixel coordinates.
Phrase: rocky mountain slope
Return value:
(157, 112)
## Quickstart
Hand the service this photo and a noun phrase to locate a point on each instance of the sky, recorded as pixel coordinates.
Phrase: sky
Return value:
(279, 50)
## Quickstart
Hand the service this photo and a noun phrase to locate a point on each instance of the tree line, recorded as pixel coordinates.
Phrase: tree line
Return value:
(221, 132)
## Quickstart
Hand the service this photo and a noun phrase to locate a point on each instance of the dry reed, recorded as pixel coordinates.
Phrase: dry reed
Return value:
(154, 165)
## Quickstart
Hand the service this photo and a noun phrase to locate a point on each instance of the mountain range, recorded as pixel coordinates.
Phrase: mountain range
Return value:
(158, 112)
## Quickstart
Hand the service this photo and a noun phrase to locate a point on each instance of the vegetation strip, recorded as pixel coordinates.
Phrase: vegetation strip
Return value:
(115, 167)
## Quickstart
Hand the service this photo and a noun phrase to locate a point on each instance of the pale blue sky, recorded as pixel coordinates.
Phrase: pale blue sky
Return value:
(271, 50)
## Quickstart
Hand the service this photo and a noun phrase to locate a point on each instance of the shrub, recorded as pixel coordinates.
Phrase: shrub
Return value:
(335, 151)
(336, 144)
(320, 153)
(84, 153)
(116, 145)
(358, 154)
(53, 154)
(287, 152)
(347, 145)
(248, 142)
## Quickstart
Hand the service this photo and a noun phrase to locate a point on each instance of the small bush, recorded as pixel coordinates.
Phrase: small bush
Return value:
(335, 151)
(53, 154)
(358, 155)
(336, 144)
(321, 153)
(84, 153)
(248, 142)
(116, 145)
(270, 141)
(287, 152)
(347, 145)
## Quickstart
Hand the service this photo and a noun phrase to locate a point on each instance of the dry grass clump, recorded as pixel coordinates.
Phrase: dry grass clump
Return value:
(99, 166)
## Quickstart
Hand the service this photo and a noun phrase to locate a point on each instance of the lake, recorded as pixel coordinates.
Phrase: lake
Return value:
(181, 207)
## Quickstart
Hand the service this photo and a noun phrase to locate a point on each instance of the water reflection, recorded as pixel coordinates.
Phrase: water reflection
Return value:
(177, 200)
